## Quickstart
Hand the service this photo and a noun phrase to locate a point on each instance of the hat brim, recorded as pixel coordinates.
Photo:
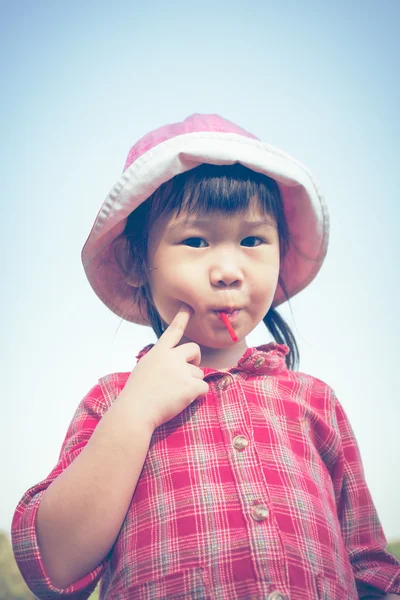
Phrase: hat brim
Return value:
(304, 207)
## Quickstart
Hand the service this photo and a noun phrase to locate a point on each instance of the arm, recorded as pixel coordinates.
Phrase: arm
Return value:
(374, 568)
(78, 517)
(31, 550)
(82, 511)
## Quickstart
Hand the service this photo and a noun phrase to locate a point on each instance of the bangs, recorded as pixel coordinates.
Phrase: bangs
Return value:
(208, 188)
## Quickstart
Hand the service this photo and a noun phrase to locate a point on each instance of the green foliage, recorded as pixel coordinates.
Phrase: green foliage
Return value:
(95, 594)
(394, 548)
(12, 586)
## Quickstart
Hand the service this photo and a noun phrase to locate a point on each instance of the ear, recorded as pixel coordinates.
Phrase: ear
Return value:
(134, 280)
(133, 274)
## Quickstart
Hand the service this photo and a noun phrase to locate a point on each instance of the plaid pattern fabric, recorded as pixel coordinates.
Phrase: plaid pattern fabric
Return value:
(256, 491)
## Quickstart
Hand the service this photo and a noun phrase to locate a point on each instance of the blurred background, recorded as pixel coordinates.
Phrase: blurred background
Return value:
(82, 81)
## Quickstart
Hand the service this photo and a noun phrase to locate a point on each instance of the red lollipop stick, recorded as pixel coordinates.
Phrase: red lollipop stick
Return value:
(224, 318)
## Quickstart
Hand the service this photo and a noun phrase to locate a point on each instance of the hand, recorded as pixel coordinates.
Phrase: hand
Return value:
(168, 378)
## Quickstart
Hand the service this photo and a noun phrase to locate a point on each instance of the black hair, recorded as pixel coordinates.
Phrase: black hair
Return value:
(227, 189)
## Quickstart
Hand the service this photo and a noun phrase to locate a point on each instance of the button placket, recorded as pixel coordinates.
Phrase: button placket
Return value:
(235, 419)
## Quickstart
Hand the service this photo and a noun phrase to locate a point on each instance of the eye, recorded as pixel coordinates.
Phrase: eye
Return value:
(251, 241)
(195, 242)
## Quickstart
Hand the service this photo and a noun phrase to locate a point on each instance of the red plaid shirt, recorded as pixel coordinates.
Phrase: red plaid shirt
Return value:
(256, 491)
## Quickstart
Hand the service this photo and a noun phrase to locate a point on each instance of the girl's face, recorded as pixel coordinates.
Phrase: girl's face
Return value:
(215, 262)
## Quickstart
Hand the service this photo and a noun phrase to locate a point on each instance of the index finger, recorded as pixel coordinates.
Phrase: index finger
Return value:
(175, 330)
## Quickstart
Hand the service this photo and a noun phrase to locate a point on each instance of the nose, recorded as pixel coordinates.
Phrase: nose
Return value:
(225, 271)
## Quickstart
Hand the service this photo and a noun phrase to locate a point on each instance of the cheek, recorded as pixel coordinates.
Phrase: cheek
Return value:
(267, 282)
(169, 280)
(170, 286)
(269, 272)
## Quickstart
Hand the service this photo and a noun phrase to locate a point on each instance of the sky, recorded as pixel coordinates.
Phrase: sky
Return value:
(82, 81)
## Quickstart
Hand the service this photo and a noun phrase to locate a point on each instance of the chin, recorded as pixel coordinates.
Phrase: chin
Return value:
(217, 343)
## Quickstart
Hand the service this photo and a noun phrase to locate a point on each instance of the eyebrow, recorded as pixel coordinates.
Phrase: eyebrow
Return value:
(192, 222)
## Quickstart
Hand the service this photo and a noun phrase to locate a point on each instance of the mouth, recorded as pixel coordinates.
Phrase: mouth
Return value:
(231, 313)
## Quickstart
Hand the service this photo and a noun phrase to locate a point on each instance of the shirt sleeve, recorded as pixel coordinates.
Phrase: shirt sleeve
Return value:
(375, 570)
(23, 530)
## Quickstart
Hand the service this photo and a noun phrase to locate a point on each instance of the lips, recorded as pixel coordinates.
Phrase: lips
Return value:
(231, 313)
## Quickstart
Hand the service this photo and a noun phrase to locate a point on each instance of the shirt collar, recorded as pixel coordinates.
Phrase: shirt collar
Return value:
(268, 359)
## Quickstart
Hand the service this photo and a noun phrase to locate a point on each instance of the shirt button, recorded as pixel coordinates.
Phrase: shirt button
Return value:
(259, 512)
(276, 596)
(259, 362)
(240, 442)
(225, 381)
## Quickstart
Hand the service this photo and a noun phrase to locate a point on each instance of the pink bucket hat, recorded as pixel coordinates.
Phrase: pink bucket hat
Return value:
(176, 148)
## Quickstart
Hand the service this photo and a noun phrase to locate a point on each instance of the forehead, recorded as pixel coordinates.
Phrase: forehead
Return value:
(252, 216)
(252, 208)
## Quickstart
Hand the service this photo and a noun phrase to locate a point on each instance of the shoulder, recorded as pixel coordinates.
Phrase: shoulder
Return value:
(313, 384)
(93, 407)
(111, 385)
(116, 380)
(311, 392)
(100, 397)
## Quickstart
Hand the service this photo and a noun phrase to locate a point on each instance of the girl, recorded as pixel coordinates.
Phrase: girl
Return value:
(212, 470)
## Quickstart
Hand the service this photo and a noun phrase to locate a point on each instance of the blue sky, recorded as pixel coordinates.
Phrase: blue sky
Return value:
(82, 81)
